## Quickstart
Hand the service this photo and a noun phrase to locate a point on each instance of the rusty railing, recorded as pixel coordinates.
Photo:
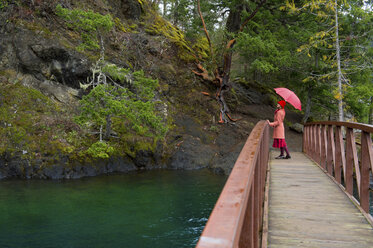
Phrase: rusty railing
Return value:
(237, 217)
(334, 146)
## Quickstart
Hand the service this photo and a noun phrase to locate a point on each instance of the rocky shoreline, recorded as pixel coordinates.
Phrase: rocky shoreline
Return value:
(190, 155)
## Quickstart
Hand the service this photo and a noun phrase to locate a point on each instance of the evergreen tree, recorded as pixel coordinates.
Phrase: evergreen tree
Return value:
(132, 100)
(330, 43)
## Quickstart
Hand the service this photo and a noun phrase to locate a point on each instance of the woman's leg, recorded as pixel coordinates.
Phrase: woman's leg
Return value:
(281, 154)
(287, 152)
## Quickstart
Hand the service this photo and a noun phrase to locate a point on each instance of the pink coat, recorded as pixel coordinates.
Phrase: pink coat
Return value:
(278, 124)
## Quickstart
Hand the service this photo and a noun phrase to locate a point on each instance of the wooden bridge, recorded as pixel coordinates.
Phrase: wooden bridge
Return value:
(318, 198)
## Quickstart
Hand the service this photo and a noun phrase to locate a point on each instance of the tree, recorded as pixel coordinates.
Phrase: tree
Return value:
(184, 15)
(359, 99)
(334, 51)
(358, 63)
(221, 71)
(131, 100)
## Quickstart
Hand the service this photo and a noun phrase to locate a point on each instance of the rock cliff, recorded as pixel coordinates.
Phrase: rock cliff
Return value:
(39, 55)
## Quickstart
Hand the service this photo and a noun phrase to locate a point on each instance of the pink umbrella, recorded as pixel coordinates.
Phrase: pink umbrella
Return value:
(290, 97)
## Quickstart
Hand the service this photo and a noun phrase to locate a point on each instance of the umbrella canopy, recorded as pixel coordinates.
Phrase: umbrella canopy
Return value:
(289, 97)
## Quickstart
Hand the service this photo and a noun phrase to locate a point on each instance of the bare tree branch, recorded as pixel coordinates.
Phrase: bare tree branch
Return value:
(252, 14)
(204, 27)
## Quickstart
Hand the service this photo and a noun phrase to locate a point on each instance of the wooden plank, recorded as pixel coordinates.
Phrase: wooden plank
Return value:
(307, 209)
(350, 160)
(331, 151)
(265, 212)
(324, 147)
(340, 159)
(366, 163)
(283, 242)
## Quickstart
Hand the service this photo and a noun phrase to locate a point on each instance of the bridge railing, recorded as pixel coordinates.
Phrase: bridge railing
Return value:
(344, 150)
(236, 219)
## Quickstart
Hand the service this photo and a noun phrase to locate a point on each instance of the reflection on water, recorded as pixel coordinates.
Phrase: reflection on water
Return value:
(150, 209)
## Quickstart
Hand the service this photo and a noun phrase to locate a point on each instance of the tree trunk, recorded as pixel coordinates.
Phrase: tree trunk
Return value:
(370, 118)
(164, 8)
(222, 72)
(101, 133)
(108, 127)
(307, 112)
(340, 92)
(176, 12)
(234, 19)
(233, 26)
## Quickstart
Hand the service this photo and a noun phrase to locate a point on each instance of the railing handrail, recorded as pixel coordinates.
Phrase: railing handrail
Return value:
(355, 125)
(237, 216)
(338, 156)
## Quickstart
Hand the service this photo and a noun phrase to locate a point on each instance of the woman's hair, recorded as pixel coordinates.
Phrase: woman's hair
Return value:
(282, 103)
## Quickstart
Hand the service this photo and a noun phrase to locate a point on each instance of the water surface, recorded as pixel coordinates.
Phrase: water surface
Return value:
(149, 209)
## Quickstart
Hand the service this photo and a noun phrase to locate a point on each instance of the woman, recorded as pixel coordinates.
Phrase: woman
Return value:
(279, 130)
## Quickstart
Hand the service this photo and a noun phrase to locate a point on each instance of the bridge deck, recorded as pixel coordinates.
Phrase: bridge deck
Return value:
(307, 209)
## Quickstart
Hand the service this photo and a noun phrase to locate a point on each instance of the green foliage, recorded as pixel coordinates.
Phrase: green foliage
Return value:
(3, 4)
(99, 103)
(134, 105)
(129, 106)
(183, 13)
(116, 73)
(144, 87)
(265, 49)
(354, 31)
(289, 44)
(359, 100)
(267, 42)
(214, 128)
(88, 23)
(100, 150)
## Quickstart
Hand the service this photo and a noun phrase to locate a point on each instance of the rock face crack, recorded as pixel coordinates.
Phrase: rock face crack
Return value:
(45, 59)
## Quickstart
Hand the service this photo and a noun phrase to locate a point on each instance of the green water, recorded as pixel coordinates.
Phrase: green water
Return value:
(149, 209)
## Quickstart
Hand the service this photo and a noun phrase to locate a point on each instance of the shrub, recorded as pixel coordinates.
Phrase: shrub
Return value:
(88, 23)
